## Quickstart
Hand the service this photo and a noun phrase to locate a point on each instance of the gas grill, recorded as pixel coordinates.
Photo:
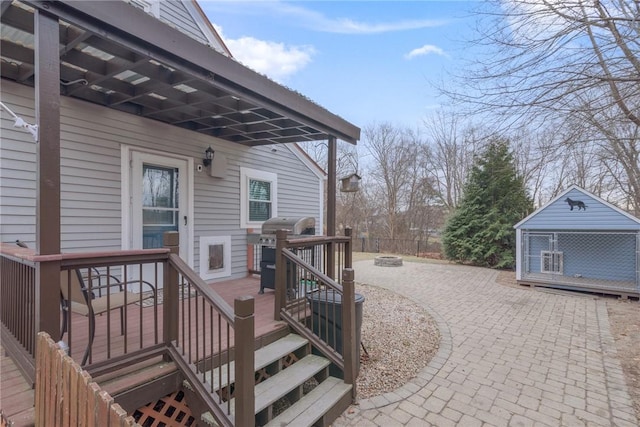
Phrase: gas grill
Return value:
(297, 227)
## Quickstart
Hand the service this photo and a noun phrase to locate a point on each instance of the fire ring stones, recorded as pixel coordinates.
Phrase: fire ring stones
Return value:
(388, 261)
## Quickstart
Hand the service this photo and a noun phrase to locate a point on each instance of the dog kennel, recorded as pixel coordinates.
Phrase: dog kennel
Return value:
(592, 248)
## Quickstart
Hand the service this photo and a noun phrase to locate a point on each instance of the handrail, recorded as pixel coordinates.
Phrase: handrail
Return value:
(30, 257)
(313, 303)
(205, 332)
(203, 289)
(188, 370)
(111, 258)
(327, 351)
(314, 271)
(316, 240)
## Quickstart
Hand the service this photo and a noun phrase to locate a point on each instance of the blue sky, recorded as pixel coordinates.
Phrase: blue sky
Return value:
(367, 61)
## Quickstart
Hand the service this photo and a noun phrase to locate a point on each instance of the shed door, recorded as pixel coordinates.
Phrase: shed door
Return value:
(538, 245)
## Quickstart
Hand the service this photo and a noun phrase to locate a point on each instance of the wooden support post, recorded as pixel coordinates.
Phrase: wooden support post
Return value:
(47, 68)
(280, 285)
(349, 338)
(331, 186)
(331, 205)
(244, 332)
(170, 240)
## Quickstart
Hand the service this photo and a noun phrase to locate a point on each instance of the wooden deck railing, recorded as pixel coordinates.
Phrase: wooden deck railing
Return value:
(123, 305)
(65, 394)
(312, 302)
(17, 309)
(185, 320)
(208, 334)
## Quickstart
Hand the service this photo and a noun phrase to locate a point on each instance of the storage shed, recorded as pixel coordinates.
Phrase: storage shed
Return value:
(579, 241)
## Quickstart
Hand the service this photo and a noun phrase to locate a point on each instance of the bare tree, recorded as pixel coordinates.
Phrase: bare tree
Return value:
(397, 173)
(551, 63)
(450, 152)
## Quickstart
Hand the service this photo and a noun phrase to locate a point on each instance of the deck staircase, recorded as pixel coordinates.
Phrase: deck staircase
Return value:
(287, 376)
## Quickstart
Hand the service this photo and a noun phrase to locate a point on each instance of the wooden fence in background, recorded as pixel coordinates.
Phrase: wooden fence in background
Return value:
(65, 395)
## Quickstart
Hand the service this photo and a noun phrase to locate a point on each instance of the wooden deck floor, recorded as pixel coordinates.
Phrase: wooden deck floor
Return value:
(16, 396)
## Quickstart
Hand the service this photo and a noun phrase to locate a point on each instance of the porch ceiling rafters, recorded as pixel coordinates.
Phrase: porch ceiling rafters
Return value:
(135, 63)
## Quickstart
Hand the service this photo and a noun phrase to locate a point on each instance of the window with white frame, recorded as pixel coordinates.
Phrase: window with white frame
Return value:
(551, 262)
(258, 197)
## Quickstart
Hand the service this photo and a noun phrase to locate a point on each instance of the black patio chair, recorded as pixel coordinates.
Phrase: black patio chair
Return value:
(77, 297)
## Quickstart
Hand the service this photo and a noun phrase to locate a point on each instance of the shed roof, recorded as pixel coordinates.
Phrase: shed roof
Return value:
(597, 214)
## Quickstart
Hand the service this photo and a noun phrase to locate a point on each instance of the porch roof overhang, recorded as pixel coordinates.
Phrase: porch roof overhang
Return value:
(135, 63)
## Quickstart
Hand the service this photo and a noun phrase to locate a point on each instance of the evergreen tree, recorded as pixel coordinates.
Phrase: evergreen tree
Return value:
(480, 231)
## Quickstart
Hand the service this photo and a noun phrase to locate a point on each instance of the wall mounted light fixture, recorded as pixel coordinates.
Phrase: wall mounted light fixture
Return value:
(20, 123)
(208, 157)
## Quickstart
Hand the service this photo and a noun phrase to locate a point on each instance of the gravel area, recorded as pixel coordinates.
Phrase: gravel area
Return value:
(400, 339)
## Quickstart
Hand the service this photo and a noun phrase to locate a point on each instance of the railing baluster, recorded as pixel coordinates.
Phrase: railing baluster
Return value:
(314, 299)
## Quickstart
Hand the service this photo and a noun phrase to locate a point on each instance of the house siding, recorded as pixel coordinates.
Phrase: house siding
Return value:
(175, 14)
(17, 171)
(91, 177)
(185, 17)
(597, 216)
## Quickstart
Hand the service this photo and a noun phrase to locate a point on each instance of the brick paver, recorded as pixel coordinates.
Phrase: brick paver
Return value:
(508, 357)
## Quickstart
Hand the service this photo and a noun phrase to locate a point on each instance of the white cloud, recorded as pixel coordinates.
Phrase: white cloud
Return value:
(426, 50)
(349, 26)
(319, 22)
(276, 60)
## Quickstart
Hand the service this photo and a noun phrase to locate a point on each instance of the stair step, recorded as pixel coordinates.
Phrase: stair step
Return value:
(135, 375)
(308, 410)
(263, 357)
(279, 385)
(272, 389)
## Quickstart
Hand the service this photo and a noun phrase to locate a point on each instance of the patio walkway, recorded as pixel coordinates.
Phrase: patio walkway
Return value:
(509, 356)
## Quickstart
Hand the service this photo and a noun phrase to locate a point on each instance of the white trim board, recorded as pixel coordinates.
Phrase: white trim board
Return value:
(127, 197)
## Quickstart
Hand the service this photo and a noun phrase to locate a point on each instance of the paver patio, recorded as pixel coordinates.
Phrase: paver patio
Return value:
(508, 357)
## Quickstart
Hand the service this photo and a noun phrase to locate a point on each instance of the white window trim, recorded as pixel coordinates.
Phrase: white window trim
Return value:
(126, 153)
(225, 271)
(247, 174)
(555, 263)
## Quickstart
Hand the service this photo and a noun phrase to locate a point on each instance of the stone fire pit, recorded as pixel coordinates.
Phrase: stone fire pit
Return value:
(388, 261)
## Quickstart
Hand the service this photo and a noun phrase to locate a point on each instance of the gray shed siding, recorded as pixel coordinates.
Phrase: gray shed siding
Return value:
(91, 179)
(597, 216)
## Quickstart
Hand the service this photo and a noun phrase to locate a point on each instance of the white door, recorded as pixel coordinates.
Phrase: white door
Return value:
(159, 203)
